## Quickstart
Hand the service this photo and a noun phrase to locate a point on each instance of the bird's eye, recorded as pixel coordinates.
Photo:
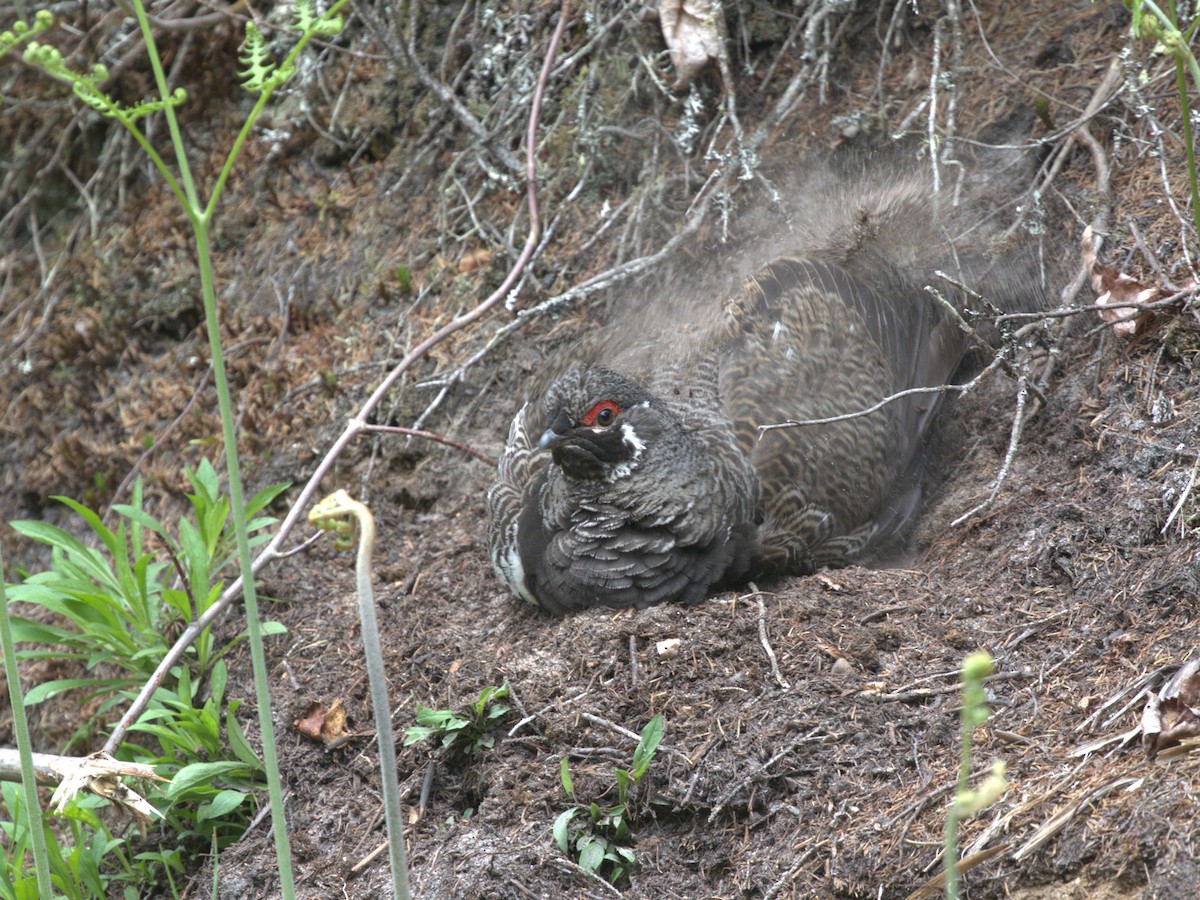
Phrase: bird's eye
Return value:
(602, 415)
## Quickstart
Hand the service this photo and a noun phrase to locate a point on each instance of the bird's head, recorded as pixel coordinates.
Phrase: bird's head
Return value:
(599, 424)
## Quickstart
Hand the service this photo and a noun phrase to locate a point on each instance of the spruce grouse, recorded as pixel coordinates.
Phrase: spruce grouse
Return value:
(618, 489)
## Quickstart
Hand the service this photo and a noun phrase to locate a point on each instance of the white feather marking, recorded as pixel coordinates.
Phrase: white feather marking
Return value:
(631, 440)
(510, 569)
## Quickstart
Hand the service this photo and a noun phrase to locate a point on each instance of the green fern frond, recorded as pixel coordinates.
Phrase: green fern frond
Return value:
(23, 31)
(86, 86)
(260, 70)
(328, 26)
(309, 22)
(306, 16)
(178, 98)
(50, 60)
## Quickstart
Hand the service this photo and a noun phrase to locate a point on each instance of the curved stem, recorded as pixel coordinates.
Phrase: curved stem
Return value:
(192, 206)
(340, 505)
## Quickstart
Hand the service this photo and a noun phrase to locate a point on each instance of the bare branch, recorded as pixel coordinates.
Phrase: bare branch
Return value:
(1014, 439)
(431, 436)
(890, 398)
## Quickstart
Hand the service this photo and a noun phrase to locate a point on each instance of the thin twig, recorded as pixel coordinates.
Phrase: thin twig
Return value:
(811, 737)
(1183, 498)
(890, 398)
(1103, 177)
(431, 436)
(1014, 438)
(632, 735)
(633, 662)
(762, 638)
(572, 867)
(790, 875)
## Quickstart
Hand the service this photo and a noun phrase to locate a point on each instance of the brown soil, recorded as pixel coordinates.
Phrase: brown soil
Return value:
(811, 729)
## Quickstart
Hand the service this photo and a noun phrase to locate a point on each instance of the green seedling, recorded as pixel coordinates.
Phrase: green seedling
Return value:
(115, 605)
(117, 602)
(967, 802)
(467, 732)
(597, 837)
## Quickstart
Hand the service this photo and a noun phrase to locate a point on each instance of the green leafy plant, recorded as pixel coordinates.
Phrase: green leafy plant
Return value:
(967, 802)
(598, 837)
(1149, 20)
(208, 792)
(466, 732)
(119, 601)
(31, 840)
(262, 77)
(85, 859)
(116, 604)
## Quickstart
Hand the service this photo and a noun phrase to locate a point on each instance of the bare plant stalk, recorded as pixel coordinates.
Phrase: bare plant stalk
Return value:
(339, 507)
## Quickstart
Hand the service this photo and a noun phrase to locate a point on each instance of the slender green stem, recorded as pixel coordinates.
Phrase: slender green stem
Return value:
(1185, 59)
(33, 809)
(219, 187)
(1181, 83)
(1173, 40)
(159, 164)
(200, 220)
(249, 594)
(192, 204)
(950, 850)
(1177, 44)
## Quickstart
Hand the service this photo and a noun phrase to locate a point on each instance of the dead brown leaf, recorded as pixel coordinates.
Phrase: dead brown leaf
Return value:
(690, 30)
(1173, 714)
(1113, 287)
(321, 724)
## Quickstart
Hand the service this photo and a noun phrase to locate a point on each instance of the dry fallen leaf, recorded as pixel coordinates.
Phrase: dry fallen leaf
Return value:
(690, 30)
(1112, 287)
(321, 724)
(1173, 714)
(309, 724)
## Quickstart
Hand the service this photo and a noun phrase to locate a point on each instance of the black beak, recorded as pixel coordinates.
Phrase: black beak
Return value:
(559, 428)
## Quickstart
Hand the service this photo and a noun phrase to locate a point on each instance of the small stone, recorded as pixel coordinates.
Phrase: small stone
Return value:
(668, 648)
